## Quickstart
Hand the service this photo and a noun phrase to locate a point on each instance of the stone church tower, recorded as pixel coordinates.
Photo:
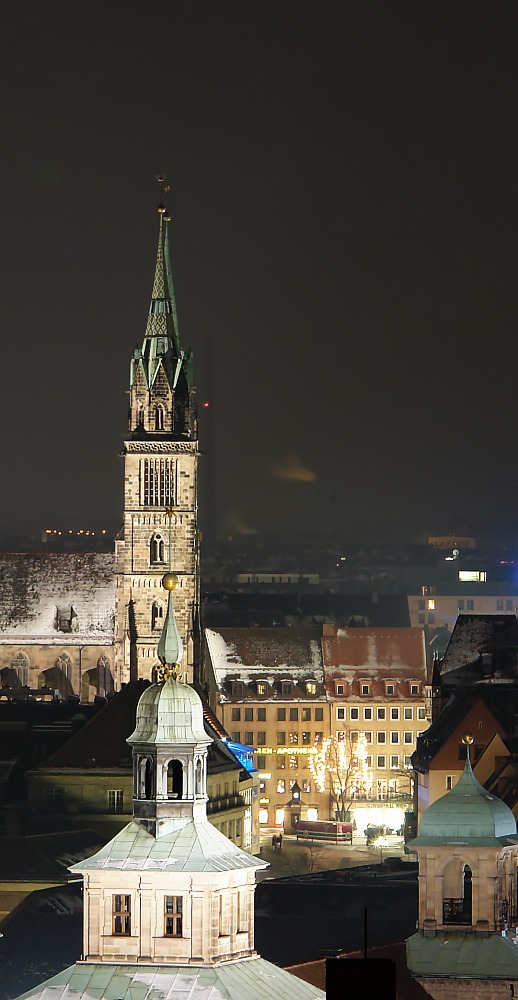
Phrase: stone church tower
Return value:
(160, 488)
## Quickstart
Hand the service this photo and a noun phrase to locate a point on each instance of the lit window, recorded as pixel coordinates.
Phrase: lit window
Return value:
(281, 786)
(431, 604)
(173, 906)
(263, 816)
(121, 915)
(341, 735)
(311, 687)
(472, 576)
(262, 687)
(318, 738)
(293, 764)
(312, 815)
(294, 737)
(306, 785)
(115, 800)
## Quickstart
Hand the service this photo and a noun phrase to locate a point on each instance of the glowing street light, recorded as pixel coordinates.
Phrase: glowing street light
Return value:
(381, 842)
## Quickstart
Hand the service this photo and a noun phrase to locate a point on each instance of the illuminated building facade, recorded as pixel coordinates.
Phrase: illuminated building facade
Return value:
(375, 682)
(266, 685)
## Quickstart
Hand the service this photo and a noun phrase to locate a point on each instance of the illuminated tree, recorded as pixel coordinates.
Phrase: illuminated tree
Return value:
(340, 765)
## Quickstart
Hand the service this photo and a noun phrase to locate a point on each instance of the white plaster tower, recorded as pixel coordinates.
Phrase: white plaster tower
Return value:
(168, 903)
(160, 487)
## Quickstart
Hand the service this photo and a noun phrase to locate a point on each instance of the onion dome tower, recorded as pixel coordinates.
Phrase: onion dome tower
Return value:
(169, 902)
(468, 903)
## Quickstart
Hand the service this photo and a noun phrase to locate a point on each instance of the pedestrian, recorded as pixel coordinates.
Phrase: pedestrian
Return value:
(274, 842)
(279, 840)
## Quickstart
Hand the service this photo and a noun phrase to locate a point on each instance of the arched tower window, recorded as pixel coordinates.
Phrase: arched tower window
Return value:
(457, 898)
(157, 549)
(159, 418)
(174, 779)
(199, 778)
(21, 665)
(145, 789)
(157, 615)
(140, 416)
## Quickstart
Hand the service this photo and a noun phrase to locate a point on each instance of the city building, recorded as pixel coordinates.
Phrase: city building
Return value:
(266, 685)
(169, 901)
(466, 944)
(376, 685)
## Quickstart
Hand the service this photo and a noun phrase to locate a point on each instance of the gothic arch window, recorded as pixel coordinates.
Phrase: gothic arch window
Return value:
(21, 665)
(104, 676)
(157, 548)
(157, 614)
(140, 416)
(174, 779)
(64, 663)
(159, 418)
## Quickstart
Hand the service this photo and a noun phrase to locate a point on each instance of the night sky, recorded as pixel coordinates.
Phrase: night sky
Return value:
(344, 233)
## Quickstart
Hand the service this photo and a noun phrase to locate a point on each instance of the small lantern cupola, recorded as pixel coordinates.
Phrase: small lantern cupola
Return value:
(169, 742)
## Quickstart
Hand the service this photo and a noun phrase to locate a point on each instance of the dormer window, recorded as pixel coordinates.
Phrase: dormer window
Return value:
(365, 688)
(390, 688)
(262, 687)
(286, 689)
(237, 689)
(414, 689)
(340, 689)
(311, 687)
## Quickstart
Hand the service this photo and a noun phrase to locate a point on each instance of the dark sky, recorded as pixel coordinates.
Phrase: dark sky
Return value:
(345, 234)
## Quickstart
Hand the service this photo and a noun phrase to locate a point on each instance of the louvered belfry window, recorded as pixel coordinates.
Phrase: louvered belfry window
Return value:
(156, 482)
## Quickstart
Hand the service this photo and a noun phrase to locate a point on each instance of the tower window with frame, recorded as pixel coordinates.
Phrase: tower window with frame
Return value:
(159, 418)
(157, 548)
(121, 915)
(173, 913)
(156, 482)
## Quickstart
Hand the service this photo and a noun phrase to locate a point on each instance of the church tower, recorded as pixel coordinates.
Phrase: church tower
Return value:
(160, 487)
(169, 902)
(466, 943)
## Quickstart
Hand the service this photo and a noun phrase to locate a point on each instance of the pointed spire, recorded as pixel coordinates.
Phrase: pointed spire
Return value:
(162, 320)
(170, 645)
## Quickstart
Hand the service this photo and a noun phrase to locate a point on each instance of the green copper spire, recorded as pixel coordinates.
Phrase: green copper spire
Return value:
(162, 321)
(170, 645)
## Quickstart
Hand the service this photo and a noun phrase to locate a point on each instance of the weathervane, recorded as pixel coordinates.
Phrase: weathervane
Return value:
(161, 178)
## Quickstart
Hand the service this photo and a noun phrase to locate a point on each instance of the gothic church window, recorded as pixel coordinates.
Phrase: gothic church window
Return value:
(156, 482)
(21, 666)
(157, 549)
(157, 615)
(159, 418)
(104, 676)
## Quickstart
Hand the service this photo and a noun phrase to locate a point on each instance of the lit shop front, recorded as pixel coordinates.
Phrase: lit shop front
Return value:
(285, 762)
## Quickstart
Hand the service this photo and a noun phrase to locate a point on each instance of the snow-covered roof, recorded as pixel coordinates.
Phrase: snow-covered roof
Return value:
(193, 845)
(250, 653)
(245, 979)
(42, 591)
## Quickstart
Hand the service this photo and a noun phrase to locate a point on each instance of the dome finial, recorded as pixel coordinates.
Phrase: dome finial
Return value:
(170, 645)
